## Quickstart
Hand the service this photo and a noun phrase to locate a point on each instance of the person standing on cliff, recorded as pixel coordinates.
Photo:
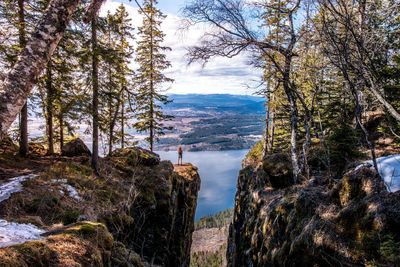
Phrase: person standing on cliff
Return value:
(180, 155)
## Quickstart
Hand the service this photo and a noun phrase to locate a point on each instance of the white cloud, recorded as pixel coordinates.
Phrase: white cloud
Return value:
(220, 75)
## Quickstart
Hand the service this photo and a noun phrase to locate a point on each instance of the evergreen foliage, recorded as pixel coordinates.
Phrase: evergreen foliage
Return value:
(217, 220)
(149, 79)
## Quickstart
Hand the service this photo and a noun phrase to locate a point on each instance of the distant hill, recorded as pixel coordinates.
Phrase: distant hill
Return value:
(210, 240)
(213, 122)
(218, 103)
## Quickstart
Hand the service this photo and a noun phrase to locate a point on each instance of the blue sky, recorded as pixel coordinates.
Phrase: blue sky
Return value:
(219, 76)
(167, 6)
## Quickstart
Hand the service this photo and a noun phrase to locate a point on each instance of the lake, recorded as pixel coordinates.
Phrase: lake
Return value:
(218, 171)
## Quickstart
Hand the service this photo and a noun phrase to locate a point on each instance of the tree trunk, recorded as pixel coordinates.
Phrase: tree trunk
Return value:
(123, 119)
(23, 130)
(49, 108)
(272, 123)
(266, 137)
(61, 122)
(151, 139)
(111, 128)
(15, 89)
(95, 100)
(307, 143)
(293, 118)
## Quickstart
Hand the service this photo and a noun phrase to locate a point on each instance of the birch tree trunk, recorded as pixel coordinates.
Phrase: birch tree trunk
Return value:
(19, 82)
(293, 117)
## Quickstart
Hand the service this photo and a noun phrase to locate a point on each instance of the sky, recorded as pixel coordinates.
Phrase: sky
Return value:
(219, 76)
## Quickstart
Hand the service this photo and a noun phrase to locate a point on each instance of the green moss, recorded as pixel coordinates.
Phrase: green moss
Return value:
(369, 244)
(80, 168)
(92, 231)
(70, 216)
(35, 253)
(87, 229)
(256, 152)
(390, 249)
(123, 257)
(47, 202)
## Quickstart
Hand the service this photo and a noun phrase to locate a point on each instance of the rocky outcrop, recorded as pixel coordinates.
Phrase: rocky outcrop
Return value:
(148, 207)
(135, 156)
(162, 214)
(348, 222)
(75, 148)
(279, 169)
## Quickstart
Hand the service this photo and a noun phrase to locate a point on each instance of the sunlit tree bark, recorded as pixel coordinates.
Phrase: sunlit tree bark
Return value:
(19, 82)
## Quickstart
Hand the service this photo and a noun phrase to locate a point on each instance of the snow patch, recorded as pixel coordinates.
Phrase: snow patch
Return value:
(14, 185)
(389, 170)
(72, 192)
(15, 233)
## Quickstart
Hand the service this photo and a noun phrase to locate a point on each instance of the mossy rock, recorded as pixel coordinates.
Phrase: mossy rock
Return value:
(92, 231)
(136, 155)
(279, 169)
(75, 148)
(82, 244)
(123, 257)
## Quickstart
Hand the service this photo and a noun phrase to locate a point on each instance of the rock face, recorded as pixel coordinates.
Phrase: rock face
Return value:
(349, 222)
(163, 215)
(75, 148)
(147, 207)
(279, 169)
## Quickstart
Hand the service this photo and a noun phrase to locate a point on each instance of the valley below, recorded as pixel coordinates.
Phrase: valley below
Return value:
(213, 122)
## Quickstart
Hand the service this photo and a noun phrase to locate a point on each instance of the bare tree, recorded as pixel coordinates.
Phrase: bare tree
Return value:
(363, 27)
(230, 34)
(357, 47)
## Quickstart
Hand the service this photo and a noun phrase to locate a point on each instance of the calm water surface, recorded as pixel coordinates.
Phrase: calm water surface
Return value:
(218, 171)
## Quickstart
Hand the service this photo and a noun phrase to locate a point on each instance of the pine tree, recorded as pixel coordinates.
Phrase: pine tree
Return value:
(115, 75)
(125, 50)
(60, 93)
(150, 55)
(95, 93)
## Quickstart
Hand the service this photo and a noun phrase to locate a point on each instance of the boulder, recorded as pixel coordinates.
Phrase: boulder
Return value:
(136, 155)
(279, 169)
(75, 148)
